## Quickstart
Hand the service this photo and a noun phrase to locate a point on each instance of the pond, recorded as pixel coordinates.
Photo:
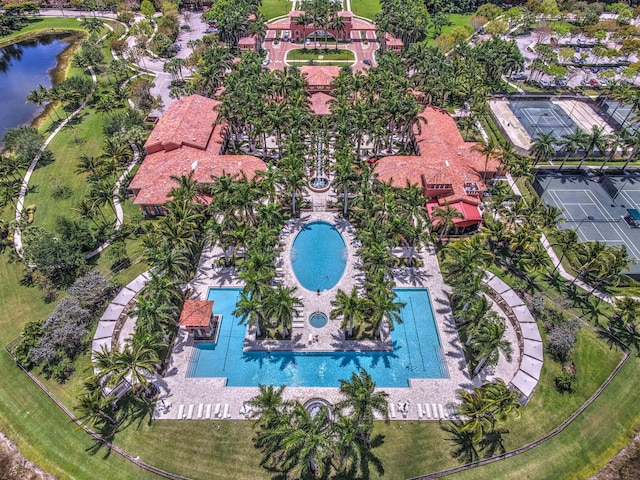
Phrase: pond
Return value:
(23, 66)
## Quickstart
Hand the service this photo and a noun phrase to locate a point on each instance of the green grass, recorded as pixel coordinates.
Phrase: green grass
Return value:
(41, 25)
(300, 54)
(275, 8)
(365, 8)
(585, 445)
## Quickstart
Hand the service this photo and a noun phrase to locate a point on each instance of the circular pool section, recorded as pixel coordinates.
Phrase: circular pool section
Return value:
(318, 319)
(318, 256)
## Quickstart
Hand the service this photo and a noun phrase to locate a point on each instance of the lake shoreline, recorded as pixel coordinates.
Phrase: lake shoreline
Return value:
(58, 72)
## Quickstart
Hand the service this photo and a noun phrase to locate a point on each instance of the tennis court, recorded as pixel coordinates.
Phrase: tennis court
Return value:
(595, 207)
(542, 116)
(620, 112)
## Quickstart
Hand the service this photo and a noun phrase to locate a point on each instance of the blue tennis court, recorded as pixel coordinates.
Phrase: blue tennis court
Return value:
(542, 116)
(596, 206)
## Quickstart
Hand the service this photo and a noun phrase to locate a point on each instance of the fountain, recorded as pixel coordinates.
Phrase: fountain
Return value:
(319, 183)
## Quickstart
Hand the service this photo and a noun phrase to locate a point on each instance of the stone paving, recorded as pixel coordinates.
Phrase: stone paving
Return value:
(200, 398)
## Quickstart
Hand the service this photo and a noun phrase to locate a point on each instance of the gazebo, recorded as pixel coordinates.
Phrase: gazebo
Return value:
(197, 318)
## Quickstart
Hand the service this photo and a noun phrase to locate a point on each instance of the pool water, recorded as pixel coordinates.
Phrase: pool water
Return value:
(318, 256)
(318, 319)
(416, 352)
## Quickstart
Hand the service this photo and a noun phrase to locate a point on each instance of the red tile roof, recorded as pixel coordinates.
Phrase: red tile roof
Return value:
(471, 213)
(392, 41)
(196, 313)
(189, 121)
(320, 103)
(169, 155)
(249, 41)
(445, 166)
(320, 76)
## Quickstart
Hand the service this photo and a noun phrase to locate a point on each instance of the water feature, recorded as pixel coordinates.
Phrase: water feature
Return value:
(319, 181)
(317, 256)
(318, 319)
(23, 66)
(417, 352)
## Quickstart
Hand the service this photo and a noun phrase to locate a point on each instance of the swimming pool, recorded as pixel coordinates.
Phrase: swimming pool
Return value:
(318, 256)
(416, 352)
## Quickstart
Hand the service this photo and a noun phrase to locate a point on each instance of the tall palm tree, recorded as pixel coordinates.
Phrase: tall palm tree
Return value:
(268, 405)
(488, 148)
(384, 305)
(543, 147)
(464, 446)
(443, 218)
(487, 343)
(597, 141)
(349, 307)
(39, 97)
(280, 306)
(566, 241)
(94, 408)
(363, 402)
(249, 310)
(572, 143)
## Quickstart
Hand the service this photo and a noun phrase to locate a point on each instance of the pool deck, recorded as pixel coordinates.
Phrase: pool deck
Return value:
(199, 398)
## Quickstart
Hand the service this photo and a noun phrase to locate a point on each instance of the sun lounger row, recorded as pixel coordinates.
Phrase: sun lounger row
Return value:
(202, 410)
(428, 411)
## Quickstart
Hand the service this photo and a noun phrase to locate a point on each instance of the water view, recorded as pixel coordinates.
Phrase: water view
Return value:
(23, 66)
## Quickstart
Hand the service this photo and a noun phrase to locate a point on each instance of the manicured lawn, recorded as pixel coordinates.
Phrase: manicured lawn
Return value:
(275, 8)
(87, 129)
(42, 25)
(324, 54)
(365, 8)
(584, 446)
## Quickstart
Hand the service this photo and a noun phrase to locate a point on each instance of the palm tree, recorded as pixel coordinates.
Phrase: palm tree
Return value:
(280, 306)
(94, 408)
(363, 402)
(488, 148)
(39, 96)
(487, 343)
(571, 143)
(566, 241)
(384, 305)
(597, 141)
(543, 147)
(153, 315)
(249, 310)
(443, 218)
(268, 405)
(301, 445)
(170, 260)
(349, 307)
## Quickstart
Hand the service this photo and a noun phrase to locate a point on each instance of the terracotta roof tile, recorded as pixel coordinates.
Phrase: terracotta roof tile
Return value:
(169, 156)
(320, 103)
(196, 313)
(446, 166)
(189, 121)
(320, 75)
(250, 41)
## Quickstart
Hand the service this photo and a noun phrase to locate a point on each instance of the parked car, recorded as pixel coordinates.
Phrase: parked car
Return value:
(185, 27)
(266, 62)
(176, 48)
(211, 30)
(544, 83)
(366, 61)
(594, 82)
(519, 76)
(561, 83)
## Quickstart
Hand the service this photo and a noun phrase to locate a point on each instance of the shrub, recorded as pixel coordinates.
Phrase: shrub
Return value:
(562, 338)
(565, 382)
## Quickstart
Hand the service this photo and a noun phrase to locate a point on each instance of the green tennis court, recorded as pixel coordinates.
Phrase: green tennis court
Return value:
(596, 207)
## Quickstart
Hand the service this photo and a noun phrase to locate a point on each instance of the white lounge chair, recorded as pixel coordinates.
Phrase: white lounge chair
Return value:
(441, 411)
(427, 410)
(392, 410)
(200, 410)
(434, 408)
(180, 412)
(207, 411)
(225, 413)
(216, 412)
(190, 412)
(420, 411)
